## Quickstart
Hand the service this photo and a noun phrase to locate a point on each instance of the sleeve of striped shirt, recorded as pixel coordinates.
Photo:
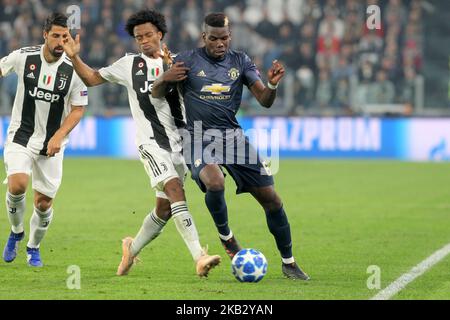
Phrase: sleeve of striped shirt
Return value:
(79, 93)
(116, 73)
(8, 63)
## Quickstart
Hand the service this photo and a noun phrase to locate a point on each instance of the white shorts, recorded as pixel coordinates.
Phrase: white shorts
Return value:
(162, 166)
(46, 172)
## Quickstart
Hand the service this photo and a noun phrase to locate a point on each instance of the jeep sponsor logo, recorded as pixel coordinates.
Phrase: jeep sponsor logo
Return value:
(45, 95)
(148, 85)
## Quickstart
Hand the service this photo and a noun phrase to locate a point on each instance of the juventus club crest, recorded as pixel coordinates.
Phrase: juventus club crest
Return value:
(62, 82)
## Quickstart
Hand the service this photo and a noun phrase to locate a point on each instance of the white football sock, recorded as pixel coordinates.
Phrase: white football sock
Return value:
(186, 227)
(226, 238)
(151, 228)
(288, 260)
(15, 205)
(39, 223)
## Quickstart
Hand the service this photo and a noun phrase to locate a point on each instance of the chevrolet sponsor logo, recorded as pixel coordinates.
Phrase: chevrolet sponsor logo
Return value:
(216, 89)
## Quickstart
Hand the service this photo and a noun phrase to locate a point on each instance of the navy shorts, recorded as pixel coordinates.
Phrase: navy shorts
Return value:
(237, 156)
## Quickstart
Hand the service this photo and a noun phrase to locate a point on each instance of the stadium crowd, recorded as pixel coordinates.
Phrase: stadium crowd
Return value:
(335, 63)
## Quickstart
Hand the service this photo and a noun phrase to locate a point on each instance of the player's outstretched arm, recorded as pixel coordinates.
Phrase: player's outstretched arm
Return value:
(55, 142)
(89, 76)
(176, 73)
(266, 95)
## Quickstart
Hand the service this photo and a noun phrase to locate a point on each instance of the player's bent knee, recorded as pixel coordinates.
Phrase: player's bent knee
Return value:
(174, 190)
(215, 185)
(17, 184)
(163, 214)
(163, 210)
(43, 203)
(43, 206)
(273, 206)
(268, 198)
(17, 189)
(212, 177)
(275, 203)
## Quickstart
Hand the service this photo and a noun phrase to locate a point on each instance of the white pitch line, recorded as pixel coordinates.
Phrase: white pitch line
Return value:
(414, 273)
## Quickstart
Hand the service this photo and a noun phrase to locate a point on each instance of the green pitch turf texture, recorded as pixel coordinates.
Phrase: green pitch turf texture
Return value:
(345, 216)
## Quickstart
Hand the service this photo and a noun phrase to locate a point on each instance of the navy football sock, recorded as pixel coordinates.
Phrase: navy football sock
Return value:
(281, 230)
(215, 201)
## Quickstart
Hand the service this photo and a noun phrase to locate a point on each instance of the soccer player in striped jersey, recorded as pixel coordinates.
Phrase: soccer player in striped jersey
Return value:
(49, 103)
(158, 142)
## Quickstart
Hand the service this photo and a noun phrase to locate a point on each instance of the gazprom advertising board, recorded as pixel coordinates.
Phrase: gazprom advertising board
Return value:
(412, 139)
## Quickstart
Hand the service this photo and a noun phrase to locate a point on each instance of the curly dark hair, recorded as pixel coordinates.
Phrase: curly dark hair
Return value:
(144, 16)
(57, 19)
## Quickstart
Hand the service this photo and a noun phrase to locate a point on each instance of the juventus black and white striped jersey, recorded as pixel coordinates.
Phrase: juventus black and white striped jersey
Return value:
(45, 94)
(157, 120)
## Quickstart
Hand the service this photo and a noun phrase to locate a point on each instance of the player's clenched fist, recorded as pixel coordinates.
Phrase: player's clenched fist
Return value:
(54, 145)
(275, 73)
(167, 56)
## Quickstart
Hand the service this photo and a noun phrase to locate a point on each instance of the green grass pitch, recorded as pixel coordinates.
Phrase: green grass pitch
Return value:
(345, 216)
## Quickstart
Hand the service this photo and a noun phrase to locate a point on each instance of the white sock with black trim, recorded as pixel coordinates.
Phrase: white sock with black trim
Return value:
(151, 228)
(15, 205)
(186, 227)
(39, 224)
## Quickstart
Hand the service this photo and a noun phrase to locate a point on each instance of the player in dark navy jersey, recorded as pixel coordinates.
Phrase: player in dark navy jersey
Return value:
(211, 81)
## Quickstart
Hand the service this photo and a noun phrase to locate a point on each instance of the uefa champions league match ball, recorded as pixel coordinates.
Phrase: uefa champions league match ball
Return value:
(249, 265)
